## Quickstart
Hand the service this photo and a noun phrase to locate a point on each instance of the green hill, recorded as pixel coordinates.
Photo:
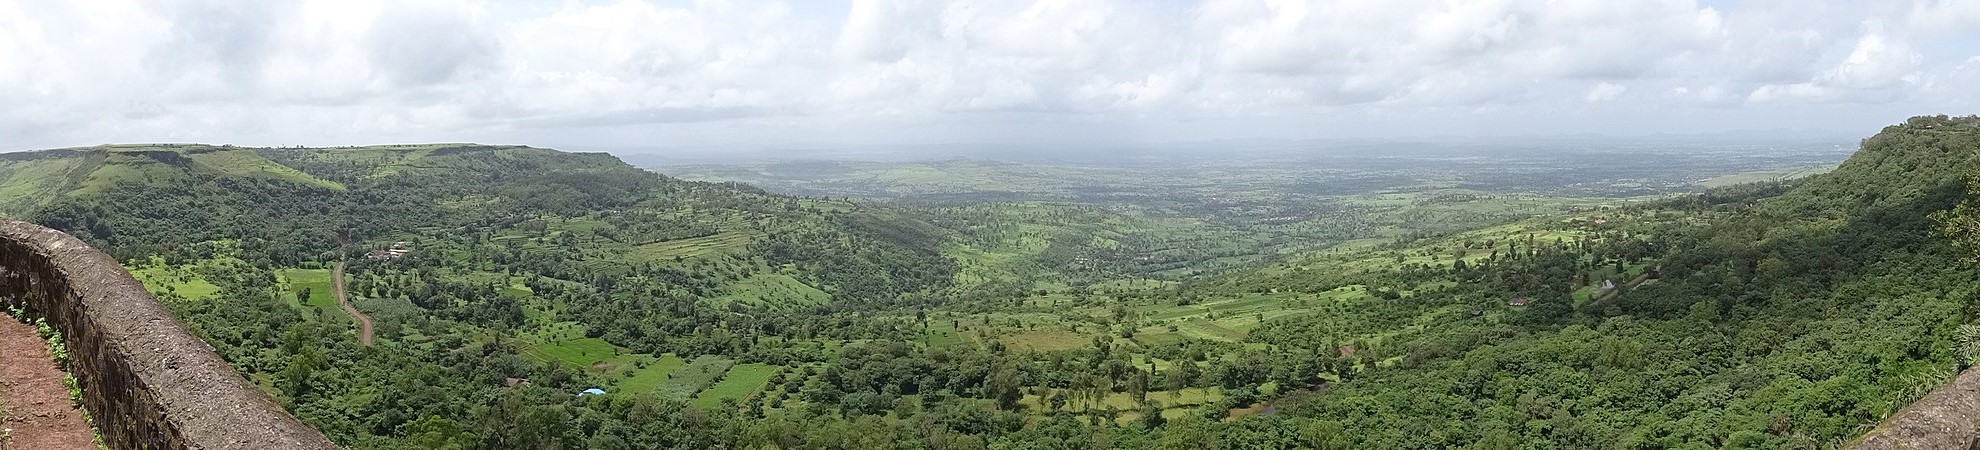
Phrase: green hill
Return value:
(289, 205)
(1776, 315)
(32, 179)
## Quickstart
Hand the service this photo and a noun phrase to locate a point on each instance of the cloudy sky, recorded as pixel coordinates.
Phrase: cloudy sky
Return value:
(666, 75)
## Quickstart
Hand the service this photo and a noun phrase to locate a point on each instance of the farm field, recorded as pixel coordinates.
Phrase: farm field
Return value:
(704, 380)
(310, 288)
(580, 353)
(689, 380)
(179, 282)
(641, 380)
(772, 290)
(1783, 174)
(688, 248)
(741, 381)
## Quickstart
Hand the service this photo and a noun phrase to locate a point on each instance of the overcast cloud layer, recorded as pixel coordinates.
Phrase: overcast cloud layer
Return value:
(732, 74)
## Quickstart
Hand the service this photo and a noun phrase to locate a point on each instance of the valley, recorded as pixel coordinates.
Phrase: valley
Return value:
(515, 297)
(990, 225)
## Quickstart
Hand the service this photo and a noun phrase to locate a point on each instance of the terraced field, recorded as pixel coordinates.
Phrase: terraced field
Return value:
(689, 248)
(687, 381)
(741, 381)
(772, 289)
(1230, 320)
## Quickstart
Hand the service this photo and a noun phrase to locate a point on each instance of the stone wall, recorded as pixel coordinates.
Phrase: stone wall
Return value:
(1948, 418)
(147, 381)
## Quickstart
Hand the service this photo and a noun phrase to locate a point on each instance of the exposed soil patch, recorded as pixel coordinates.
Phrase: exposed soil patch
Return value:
(38, 412)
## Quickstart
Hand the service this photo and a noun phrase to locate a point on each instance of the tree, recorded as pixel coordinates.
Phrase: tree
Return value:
(1151, 415)
(1137, 386)
(1006, 387)
(300, 374)
(1324, 435)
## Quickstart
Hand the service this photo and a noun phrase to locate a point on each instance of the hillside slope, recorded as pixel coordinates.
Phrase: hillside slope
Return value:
(532, 257)
(288, 205)
(1778, 316)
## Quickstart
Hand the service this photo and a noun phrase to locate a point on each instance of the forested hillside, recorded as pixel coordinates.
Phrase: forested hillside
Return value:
(1768, 321)
(505, 281)
(501, 249)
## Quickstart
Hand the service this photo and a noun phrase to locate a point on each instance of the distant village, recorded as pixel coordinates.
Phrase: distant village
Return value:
(398, 250)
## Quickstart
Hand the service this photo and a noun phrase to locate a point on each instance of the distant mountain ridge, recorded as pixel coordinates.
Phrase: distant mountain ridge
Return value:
(32, 179)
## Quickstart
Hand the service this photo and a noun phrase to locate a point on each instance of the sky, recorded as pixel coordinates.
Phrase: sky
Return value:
(637, 76)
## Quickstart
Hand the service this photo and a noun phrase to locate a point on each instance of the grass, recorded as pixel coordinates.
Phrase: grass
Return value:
(155, 164)
(1582, 295)
(1048, 340)
(1239, 305)
(942, 333)
(1767, 175)
(25, 184)
(771, 289)
(1209, 330)
(645, 379)
(713, 244)
(245, 163)
(317, 281)
(579, 353)
(690, 380)
(118, 168)
(1231, 319)
(161, 279)
(741, 381)
(1152, 338)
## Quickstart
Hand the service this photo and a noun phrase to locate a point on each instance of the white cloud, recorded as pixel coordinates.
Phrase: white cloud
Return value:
(1944, 16)
(1877, 68)
(1875, 62)
(334, 71)
(884, 31)
(1604, 93)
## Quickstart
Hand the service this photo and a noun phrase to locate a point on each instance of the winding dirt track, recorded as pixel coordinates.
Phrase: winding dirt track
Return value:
(337, 287)
(39, 414)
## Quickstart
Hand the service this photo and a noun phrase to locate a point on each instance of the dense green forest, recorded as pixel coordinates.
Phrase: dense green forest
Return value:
(506, 280)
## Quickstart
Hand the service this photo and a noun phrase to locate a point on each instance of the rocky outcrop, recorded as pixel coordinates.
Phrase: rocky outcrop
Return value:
(147, 381)
(1948, 418)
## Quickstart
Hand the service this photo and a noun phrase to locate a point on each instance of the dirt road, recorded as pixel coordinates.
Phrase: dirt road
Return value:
(39, 414)
(337, 288)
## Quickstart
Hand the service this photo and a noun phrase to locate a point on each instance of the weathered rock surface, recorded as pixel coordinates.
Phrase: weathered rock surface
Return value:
(1946, 419)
